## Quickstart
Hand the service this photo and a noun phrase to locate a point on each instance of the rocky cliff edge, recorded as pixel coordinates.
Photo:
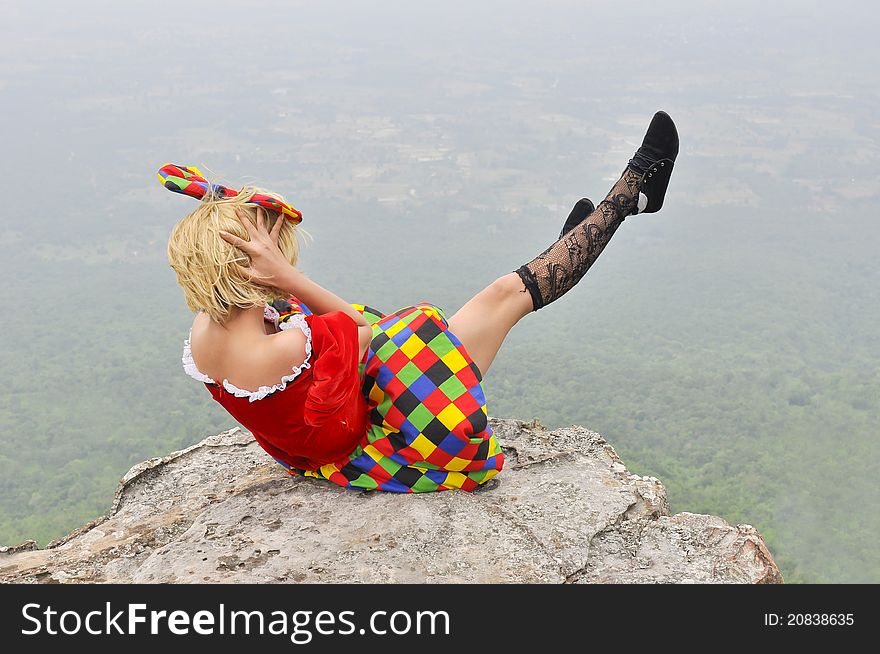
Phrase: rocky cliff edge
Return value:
(564, 510)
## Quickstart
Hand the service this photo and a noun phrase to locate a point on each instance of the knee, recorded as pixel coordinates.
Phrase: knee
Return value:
(506, 287)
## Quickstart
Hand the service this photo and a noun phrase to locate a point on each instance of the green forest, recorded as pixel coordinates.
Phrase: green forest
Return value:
(727, 345)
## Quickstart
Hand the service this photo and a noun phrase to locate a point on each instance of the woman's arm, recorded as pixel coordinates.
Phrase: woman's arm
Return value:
(269, 267)
(320, 300)
(316, 297)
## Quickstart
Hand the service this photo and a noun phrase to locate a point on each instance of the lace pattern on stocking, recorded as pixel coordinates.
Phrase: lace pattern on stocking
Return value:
(562, 265)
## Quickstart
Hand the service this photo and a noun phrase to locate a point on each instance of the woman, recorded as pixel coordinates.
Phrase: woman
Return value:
(341, 391)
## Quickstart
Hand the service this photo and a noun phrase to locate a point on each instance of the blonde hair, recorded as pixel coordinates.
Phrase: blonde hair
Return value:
(205, 264)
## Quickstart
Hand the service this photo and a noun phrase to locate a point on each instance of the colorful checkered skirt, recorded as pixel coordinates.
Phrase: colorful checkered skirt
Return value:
(428, 423)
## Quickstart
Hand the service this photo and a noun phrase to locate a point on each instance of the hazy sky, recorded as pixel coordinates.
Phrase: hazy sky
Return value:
(97, 95)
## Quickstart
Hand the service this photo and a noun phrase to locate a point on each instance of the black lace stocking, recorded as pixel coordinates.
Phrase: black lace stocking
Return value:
(562, 265)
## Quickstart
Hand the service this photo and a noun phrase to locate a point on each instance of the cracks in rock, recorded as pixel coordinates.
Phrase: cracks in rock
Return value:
(633, 514)
(521, 527)
(610, 527)
(24, 546)
(526, 457)
(556, 456)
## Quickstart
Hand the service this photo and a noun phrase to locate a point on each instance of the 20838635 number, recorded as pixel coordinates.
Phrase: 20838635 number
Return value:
(819, 619)
(808, 619)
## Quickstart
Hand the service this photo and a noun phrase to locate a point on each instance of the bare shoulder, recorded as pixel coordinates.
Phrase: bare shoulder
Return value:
(244, 360)
(201, 336)
(200, 321)
(289, 345)
(282, 352)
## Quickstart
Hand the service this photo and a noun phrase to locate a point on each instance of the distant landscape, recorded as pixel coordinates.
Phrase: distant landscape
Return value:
(727, 345)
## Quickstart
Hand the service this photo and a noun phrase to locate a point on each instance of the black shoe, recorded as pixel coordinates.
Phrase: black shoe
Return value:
(582, 209)
(654, 161)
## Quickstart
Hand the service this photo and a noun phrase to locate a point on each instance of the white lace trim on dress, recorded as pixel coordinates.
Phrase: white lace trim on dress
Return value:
(270, 314)
(298, 321)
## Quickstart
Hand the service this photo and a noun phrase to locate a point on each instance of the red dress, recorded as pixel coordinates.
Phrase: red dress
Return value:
(320, 415)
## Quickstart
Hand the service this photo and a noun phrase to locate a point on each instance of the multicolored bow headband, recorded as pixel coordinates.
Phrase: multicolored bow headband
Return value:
(189, 181)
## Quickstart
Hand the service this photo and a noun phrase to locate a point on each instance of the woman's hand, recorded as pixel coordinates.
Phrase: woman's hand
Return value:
(268, 264)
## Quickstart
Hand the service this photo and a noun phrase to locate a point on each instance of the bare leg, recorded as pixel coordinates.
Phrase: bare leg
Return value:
(484, 320)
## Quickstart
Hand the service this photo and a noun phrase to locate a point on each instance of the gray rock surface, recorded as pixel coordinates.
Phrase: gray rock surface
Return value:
(564, 510)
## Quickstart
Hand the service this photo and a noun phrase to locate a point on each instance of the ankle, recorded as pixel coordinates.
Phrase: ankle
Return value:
(623, 198)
